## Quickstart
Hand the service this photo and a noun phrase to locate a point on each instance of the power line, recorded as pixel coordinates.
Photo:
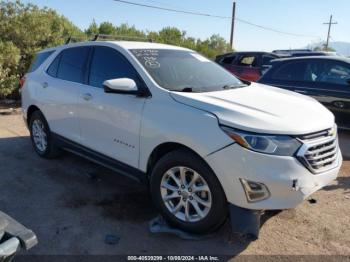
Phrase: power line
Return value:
(172, 10)
(274, 30)
(214, 16)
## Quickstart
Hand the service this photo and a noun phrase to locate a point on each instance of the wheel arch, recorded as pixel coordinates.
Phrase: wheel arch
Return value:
(31, 109)
(165, 148)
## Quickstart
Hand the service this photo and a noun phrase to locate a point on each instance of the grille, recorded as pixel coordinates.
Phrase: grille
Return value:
(320, 153)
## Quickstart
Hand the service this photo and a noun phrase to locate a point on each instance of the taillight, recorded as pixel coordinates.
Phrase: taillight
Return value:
(22, 81)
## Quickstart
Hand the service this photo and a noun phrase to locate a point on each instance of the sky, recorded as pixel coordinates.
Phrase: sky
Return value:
(304, 17)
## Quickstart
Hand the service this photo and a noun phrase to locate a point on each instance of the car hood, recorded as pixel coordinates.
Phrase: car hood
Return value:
(262, 109)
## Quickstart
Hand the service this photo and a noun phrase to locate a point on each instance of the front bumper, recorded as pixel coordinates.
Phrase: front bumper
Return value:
(288, 181)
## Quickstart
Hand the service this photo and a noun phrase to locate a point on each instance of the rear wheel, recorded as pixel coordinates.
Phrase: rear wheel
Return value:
(41, 136)
(187, 192)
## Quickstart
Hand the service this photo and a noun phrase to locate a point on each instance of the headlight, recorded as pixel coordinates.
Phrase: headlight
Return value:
(280, 145)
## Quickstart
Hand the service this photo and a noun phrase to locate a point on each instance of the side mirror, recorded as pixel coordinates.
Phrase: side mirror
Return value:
(120, 86)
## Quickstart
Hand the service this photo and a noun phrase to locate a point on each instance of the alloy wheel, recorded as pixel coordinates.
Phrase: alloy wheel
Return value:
(186, 194)
(39, 135)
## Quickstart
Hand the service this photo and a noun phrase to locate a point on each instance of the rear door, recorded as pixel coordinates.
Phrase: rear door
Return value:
(288, 75)
(59, 91)
(332, 78)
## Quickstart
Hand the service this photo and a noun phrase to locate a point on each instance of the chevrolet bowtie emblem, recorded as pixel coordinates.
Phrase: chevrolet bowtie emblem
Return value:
(331, 132)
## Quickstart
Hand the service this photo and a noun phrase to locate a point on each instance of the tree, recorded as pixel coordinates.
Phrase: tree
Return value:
(26, 28)
(107, 28)
(210, 47)
(9, 58)
(170, 35)
(93, 29)
(130, 31)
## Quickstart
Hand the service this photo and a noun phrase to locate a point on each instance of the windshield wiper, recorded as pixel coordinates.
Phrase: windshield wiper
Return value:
(227, 87)
(186, 90)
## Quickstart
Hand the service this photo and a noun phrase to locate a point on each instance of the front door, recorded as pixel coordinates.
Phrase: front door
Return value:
(110, 123)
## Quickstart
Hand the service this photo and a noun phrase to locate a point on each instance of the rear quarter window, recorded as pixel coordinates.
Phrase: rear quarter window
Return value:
(38, 60)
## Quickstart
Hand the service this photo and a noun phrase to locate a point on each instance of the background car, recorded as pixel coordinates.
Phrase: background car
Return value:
(301, 52)
(247, 65)
(325, 78)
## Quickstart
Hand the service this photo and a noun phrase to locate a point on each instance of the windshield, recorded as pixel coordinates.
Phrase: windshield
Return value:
(185, 71)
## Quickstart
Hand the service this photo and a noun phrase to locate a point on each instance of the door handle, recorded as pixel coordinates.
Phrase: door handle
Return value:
(45, 85)
(87, 97)
(339, 104)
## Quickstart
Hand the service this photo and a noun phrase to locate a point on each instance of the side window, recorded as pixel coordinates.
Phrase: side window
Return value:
(248, 60)
(108, 64)
(39, 60)
(52, 71)
(228, 60)
(72, 64)
(292, 71)
(332, 72)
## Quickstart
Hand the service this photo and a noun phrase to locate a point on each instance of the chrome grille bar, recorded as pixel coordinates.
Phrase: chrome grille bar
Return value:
(321, 153)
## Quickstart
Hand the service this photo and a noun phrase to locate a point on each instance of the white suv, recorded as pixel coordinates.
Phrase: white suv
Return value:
(200, 137)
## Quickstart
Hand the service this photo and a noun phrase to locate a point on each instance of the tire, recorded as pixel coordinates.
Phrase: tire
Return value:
(164, 186)
(41, 136)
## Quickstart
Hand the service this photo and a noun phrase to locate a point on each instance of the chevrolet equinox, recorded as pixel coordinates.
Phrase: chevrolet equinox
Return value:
(201, 138)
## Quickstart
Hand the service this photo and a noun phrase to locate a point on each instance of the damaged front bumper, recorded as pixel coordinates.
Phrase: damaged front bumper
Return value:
(276, 182)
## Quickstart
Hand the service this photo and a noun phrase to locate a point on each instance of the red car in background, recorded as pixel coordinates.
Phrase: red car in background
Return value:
(248, 66)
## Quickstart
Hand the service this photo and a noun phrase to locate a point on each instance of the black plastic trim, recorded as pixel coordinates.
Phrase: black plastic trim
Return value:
(100, 159)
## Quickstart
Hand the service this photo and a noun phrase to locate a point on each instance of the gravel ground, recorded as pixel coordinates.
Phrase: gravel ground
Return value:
(73, 204)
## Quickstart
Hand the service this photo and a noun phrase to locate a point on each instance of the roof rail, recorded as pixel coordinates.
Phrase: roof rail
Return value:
(121, 37)
(108, 37)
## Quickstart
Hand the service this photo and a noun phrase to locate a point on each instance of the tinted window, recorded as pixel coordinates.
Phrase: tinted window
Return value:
(72, 64)
(292, 71)
(325, 71)
(108, 64)
(185, 71)
(228, 60)
(39, 60)
(52, 71)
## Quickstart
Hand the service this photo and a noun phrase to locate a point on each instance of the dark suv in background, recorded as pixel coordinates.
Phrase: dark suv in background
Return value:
(325, 78)
(246, 65)
(301, 52)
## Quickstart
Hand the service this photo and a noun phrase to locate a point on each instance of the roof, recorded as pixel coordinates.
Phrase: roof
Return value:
(251, 52)
(247, 53)
(123, 44)
(337, 58)
(145, 45)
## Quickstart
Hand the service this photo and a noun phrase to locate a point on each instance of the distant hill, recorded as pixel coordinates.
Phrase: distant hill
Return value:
(341, 47)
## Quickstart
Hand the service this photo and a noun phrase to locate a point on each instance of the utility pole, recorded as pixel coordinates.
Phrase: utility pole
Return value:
(330, 23)
(233, 23)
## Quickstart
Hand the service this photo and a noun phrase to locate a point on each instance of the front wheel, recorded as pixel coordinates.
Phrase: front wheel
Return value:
(187, 192)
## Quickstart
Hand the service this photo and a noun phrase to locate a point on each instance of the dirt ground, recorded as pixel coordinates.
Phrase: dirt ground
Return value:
(73, 204)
